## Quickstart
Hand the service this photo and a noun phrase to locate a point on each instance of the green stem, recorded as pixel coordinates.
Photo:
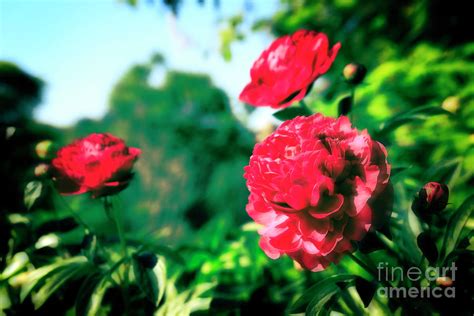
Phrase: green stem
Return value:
(115, 216)
(351, 113)
(388, 244)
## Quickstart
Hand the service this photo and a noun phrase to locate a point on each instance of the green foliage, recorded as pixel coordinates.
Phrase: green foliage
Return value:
(186, 203)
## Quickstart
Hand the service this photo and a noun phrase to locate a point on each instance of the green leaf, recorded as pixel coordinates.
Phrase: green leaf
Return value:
(32, 192)
(57, 279)
(445, 171)
(186, 302)
(91, 294)
(31, 280)
(455, 228)
(151, 280)
(318, 306)
(318, 291)
(292, 112)
(398, 170)
(18, 262)
(416, 114)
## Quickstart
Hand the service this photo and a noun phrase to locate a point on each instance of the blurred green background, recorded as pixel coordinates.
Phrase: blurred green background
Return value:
(188, 192)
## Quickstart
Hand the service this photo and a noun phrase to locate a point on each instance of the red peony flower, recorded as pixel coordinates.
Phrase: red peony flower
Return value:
(312, 183)
(99, 163)
(284, 72)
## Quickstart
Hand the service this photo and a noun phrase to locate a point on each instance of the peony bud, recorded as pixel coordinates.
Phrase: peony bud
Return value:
(147, 259)
(41, 170)
(354, 73)
(451, 104)
(45, 149)
(444, 281)
(432, 198)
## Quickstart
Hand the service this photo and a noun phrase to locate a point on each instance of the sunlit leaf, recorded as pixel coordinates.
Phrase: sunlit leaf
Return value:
(31, 280)
(32, 192)
(57, 279)
(91, 293)
(17, 263)
(186, 302)
(151, 280)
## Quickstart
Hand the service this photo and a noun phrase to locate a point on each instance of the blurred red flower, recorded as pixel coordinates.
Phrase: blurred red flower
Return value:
(99, 163)
(284, 72)
(312, 184)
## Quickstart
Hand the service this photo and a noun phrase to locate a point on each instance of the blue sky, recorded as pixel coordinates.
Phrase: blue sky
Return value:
(82, 47)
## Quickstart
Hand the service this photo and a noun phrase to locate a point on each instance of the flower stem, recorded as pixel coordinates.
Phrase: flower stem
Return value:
(109, 209)
(351, 113)
(114, 215)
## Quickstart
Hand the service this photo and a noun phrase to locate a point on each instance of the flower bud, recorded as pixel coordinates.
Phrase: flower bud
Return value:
(41, 170)
(444, 281)
(432, 198)
(45, 149)
(451, 104)
(147, 259)
(354, 73)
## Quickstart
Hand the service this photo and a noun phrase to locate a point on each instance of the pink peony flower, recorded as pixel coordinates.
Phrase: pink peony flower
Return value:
(99, 163)
(284, 71)
(311, 185)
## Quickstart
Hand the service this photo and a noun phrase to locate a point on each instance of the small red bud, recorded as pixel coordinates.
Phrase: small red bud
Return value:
(432, 198)
(354, 73)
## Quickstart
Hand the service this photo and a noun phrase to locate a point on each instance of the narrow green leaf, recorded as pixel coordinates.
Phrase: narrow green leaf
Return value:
(186, 302)
(455, 228)
(291, 112)
(31, 280)
(95, 300)
(57, 279)
(318, 291)
(416, 114)
(318, 305)
(32, 192)
(85, 292)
